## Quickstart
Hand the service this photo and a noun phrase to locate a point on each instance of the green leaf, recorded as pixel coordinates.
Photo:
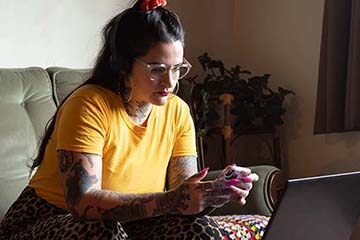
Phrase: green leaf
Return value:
(254, 101)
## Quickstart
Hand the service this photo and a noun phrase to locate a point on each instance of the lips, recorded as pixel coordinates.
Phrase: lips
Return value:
(163, 94)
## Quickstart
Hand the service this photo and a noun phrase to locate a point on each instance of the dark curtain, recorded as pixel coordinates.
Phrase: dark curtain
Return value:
(338, 97)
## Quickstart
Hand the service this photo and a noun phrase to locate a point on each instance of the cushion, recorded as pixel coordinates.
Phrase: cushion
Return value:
(26, 105)
(66, 80)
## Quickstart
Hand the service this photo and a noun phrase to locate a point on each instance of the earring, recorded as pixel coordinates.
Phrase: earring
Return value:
(176, 88)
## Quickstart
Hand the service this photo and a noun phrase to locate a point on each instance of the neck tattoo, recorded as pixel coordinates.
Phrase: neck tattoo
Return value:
(138, 111)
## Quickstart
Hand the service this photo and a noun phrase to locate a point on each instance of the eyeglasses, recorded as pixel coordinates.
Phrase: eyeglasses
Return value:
(158, 70)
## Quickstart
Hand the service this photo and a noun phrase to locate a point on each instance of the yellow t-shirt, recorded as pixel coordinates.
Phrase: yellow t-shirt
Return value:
(134, 158)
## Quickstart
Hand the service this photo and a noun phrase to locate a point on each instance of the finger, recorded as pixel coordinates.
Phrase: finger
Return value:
(235, 198)
(197, 177)
(216, 202)
(243, 171)
(244, 185)
(232, 181)
(219, 192)
(238, 199)
(226, 171)
(210, 185)
(235, 172)
(238, 191)
(254, 177)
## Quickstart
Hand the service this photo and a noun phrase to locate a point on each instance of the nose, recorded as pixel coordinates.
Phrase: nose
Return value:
(168, 80)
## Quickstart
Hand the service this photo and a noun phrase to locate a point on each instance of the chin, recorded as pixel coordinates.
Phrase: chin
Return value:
(160, 101)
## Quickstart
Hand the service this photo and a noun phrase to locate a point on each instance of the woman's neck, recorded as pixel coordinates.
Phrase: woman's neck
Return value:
(138, 111)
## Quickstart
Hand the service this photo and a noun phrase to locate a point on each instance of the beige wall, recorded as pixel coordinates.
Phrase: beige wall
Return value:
(52, 32)
(281, 37)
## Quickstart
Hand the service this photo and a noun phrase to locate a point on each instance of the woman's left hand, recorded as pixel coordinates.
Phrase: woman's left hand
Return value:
(240, 180)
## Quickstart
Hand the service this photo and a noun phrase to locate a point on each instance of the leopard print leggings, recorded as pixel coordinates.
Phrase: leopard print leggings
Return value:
(31, 217)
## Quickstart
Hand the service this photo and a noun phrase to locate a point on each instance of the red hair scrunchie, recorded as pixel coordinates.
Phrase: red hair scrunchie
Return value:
(152, 4)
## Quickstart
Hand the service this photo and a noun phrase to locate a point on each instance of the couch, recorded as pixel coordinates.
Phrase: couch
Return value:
(28, 99)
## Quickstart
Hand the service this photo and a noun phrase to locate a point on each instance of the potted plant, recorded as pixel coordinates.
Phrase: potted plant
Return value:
(255, 106)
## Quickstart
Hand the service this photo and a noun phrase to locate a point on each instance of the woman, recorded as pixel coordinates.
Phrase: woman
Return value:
(118, 160)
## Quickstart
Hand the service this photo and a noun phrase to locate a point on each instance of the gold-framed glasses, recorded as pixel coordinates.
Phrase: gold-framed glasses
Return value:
(158, 70)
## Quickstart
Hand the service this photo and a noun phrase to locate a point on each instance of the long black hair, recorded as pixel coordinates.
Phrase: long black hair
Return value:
(126, 36)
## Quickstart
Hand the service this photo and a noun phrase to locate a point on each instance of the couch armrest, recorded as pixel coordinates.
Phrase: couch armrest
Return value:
(262, 197)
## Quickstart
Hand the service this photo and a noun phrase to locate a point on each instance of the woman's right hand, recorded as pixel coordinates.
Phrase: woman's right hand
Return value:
(193, 195)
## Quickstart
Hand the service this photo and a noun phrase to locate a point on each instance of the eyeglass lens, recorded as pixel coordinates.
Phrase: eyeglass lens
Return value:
(159, 72)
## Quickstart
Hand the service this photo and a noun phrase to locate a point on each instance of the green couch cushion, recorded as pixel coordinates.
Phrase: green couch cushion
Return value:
(66, 80)
(26, 105)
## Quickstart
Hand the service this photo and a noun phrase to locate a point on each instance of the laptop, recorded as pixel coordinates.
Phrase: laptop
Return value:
(323, 207)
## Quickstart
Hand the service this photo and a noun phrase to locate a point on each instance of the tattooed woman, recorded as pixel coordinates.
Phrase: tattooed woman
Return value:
(118, 159)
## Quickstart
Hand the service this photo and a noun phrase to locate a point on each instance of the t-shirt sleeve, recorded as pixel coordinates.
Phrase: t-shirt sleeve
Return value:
(185, 143)
(82, 125)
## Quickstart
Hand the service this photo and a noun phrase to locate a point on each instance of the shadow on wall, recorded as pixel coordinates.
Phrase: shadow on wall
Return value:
(349, 162)
(290, 131)
(351, 140)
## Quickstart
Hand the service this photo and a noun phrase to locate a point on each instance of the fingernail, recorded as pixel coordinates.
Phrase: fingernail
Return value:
(247, 179)
(232, 182)
(204, 170)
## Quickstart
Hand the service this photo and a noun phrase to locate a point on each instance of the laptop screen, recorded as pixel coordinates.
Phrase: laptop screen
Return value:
(324, 207)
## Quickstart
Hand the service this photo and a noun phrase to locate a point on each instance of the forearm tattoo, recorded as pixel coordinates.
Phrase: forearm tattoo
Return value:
(179, 169)
(132, 210)
(174, 202)
(86, 199)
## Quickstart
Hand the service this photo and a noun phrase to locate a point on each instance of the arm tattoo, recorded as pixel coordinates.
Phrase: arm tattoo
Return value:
(174, 202)
(66, 160)
(82, 186)
(131, 211)
(78, 180)
(132, 207)
(89, 159)
(179, 169)
(78, 183)
(134, 211)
